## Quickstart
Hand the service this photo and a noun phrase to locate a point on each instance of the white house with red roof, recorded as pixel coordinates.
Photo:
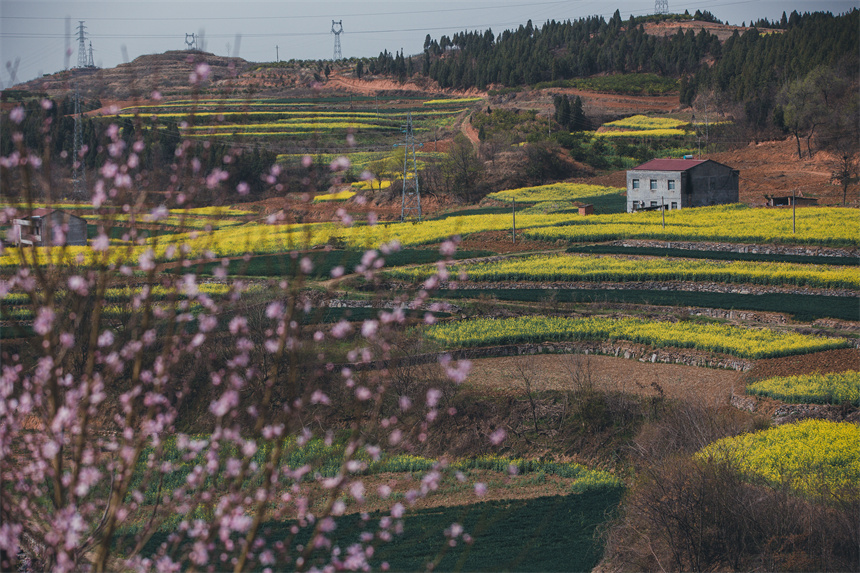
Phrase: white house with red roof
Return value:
(680, 183)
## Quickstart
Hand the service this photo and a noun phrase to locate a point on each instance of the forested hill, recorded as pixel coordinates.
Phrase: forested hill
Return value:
(746, 66)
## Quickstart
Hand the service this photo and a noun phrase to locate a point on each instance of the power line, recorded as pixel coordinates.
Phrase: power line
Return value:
(294, 17)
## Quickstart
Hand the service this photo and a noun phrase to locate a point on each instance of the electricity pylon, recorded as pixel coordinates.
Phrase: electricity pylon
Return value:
(337, 30)
(82, 46)
(79, 173)
(411, 202)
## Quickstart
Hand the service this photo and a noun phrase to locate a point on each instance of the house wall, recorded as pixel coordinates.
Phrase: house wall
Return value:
(662, 191)
(711, 184)
(75, 228)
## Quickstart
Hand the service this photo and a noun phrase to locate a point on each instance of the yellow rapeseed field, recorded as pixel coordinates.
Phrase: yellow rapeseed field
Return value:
(554, 192)
(817, 458)
(734, 340)
(616, 269)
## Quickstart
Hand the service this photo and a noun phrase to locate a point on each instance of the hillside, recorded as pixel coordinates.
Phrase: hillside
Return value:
(168, 73)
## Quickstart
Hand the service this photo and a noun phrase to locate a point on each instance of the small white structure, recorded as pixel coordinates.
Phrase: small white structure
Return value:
(680, 183)
(45, 225)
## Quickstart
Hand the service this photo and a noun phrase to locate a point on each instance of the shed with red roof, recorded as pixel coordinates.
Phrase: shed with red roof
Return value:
(680, 184)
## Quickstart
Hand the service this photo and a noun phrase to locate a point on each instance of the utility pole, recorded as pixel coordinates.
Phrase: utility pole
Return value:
(663, 209)
(337, 30)
(277, 56)
(514, 218)
(794, 211)
(411, 198)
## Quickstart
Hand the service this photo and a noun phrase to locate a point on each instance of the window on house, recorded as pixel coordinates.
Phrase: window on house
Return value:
(674, 205)
(653, 203)
(671, 184)
(653, 185)
(636, 184)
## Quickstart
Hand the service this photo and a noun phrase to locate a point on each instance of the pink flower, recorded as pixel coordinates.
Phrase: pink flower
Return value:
(433, 395)
(448, 248)
(44, 320)
(17, 114)
(101, 243)
(243, 188)
(498, 437)
(480, 489)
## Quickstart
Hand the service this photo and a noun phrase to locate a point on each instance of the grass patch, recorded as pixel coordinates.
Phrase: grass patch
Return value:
(324, 262)
(804, 308)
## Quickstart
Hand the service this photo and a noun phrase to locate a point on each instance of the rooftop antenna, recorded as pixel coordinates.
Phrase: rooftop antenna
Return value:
(191, 41)
(82, 46)
(411, 202)
(337, 30)
(661, 6)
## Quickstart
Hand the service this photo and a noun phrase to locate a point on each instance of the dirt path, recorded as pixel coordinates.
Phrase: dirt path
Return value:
(469, 131)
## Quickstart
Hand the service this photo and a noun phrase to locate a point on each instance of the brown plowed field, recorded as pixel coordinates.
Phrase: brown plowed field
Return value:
(505, 376)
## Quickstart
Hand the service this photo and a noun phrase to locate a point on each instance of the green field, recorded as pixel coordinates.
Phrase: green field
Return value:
(802, 307)
(555, 533)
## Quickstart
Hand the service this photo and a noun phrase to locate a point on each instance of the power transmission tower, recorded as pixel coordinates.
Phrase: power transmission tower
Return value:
(337, 31)
(91, 63)
(411, 197)
(192, 43)
(79, 174)
(661, 6)
(82, 46)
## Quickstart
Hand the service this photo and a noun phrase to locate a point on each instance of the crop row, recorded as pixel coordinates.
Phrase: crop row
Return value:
(126, 294)
(614, 269)
(817, 388)
(645, 122)
(742, 342)
(827, 225)
(339, 196)
(835, 226)
(805, 308)
(555, 192)
(654, 133)
(817, 458)
(181, 221)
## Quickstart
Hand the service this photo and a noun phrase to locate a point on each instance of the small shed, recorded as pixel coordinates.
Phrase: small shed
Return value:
(787, 201)
(586, 209)
(43, 225)
(681, 183)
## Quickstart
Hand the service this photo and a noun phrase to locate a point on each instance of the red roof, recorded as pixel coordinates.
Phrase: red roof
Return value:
(670, 164)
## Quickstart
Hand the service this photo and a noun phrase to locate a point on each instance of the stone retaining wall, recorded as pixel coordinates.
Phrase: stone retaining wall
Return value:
(620, 349)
